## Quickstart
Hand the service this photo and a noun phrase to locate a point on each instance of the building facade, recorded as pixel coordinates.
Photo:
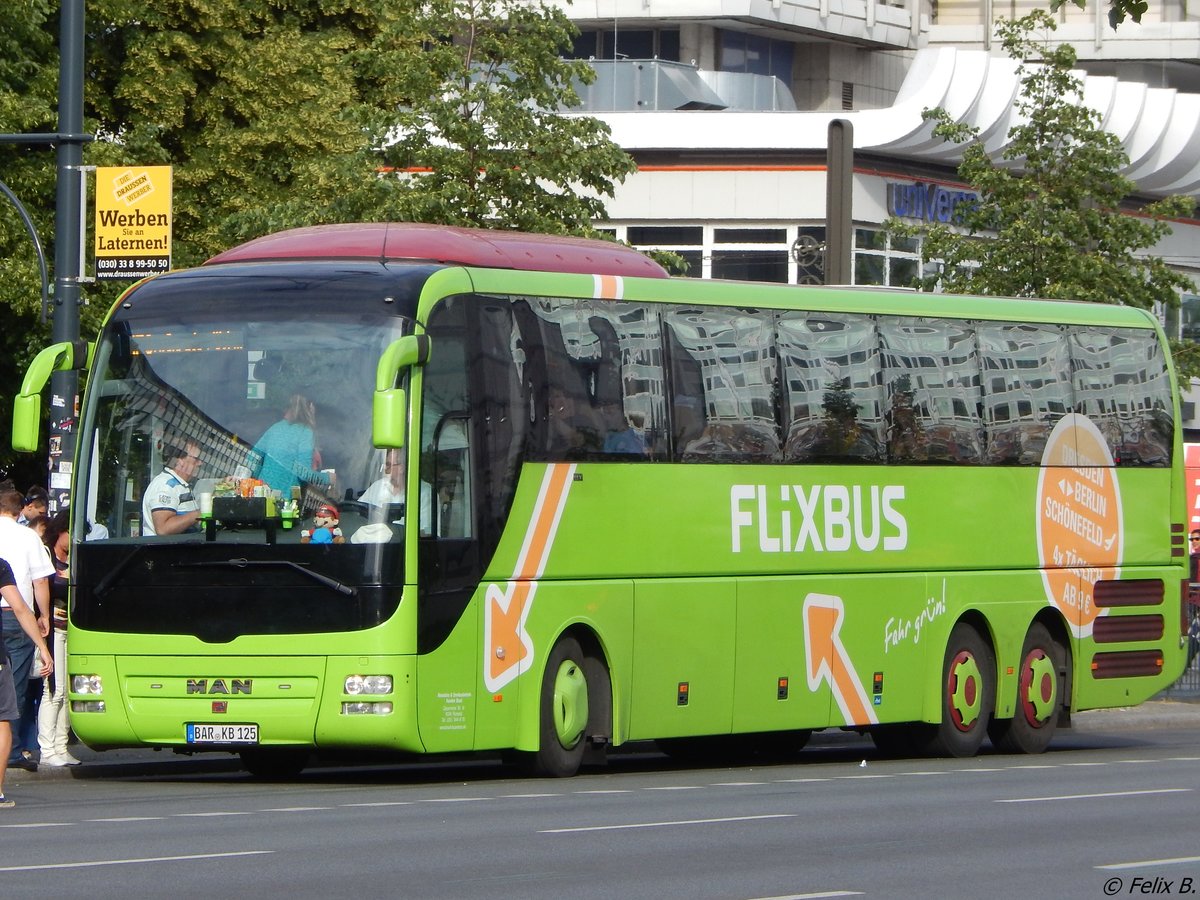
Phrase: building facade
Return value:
(726, 106)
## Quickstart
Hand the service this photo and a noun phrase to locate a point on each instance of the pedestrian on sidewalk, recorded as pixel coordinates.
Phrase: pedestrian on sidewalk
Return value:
(8, 696)
(53, 725)
(31, 569)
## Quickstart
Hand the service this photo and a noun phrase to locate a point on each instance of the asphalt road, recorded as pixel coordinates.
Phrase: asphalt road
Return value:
(1113, 801)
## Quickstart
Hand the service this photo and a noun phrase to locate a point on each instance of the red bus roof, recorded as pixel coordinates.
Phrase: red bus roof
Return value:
(385, 241)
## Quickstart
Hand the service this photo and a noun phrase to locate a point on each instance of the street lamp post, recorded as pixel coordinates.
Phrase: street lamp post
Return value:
(69, 232)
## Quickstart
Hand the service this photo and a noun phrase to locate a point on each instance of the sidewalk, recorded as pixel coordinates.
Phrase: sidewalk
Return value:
(1164, 713)
(139, 762)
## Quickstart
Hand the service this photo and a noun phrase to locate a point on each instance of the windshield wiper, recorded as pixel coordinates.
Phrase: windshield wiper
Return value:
(332, 583)
(115, 572)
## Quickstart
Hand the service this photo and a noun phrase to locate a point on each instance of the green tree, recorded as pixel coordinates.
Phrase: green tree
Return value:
(282, 113)
(478, 138)
(1118, 10)
(1053, 218)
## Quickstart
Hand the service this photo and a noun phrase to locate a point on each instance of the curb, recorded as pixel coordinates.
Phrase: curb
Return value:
(1151, 714)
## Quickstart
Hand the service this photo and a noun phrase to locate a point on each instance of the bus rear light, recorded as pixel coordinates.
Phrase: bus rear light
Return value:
(87, 684)
(87, 706)
(368, 684)
(363, 708)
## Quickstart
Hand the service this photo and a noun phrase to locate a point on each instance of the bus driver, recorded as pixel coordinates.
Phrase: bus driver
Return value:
(169, 506)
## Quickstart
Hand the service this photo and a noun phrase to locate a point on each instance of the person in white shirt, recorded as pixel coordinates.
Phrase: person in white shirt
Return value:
(169, 506)
(31, 568)
(388, 491)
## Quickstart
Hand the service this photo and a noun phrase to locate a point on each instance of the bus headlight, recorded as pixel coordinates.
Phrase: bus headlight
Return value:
(363, 708)
(368, 684)
(87, 684)
(87, 706)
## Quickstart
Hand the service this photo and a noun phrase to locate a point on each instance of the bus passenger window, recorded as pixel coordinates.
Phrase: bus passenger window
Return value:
(931, 370)
(833, 394)
(1026, 389)
(1120, 381)
(723, 377)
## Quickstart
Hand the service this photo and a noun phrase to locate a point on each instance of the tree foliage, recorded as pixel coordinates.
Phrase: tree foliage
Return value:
(477, 138)
(1118, 10)
(1053, 217)
(282, 113)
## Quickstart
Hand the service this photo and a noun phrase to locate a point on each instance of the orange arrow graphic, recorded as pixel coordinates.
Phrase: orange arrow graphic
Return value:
(508, 649)
(828, 660)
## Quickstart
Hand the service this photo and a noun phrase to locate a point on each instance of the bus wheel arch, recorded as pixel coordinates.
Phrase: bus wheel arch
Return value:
(1043, 690)
(967, 690)
(574, 705)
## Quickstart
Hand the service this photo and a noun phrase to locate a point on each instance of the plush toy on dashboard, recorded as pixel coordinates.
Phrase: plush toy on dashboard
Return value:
(325, 527)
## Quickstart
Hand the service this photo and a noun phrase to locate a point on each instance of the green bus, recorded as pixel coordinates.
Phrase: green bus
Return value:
(709, 514)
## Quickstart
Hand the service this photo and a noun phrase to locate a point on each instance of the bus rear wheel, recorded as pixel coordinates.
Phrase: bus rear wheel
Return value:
(564, 712)
(968, 695)
(1040, 696)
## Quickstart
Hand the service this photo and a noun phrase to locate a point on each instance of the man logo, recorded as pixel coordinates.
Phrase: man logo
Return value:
(219, 686)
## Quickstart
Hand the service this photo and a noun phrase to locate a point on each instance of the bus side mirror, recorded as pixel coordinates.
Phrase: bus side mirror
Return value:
(27, 405)
(389, 410)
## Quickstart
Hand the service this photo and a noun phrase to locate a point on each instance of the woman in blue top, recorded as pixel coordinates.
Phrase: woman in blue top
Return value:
(285, 451)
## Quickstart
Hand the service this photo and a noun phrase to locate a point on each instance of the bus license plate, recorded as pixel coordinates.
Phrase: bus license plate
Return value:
(198, 733)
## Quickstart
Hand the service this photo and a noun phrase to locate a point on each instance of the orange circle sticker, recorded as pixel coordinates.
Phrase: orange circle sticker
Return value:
(1078, 519)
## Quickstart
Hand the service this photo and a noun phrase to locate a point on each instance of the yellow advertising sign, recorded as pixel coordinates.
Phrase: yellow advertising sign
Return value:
(133, 221)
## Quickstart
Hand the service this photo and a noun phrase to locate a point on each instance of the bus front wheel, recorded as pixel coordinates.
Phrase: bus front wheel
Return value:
(564, 711)
(968, 694)
(1040, 691)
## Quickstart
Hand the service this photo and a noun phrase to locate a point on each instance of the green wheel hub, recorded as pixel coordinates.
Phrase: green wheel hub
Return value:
(570, 703)
(965, 687)
(1039, 688)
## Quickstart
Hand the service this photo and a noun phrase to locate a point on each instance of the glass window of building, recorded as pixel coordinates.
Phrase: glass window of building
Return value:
(883, 259)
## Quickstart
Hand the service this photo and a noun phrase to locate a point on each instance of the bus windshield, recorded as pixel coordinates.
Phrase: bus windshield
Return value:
(231, 465)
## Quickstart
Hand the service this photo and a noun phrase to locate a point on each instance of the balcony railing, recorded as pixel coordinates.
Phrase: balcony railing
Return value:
(654, 84)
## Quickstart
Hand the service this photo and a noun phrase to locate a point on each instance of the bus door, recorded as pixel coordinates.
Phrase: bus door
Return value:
(470, 448)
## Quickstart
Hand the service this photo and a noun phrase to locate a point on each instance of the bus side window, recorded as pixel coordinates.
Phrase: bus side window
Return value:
(931, 369)
(451, 477)
(1120, 382)
(1026, 389)
(832, 389)
(723, 377)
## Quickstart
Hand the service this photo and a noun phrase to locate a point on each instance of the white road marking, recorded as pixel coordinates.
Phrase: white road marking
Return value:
(818, 896)
(1178, 860)
(40, 825)
(524, 796)
(127, 862)
(383, 803)
(207, 815)
(1094, 796)
(736, 783)
(676, 787)
(799, 780)
(129, 819)
(294, 808)
(666, 824)
(622, 791)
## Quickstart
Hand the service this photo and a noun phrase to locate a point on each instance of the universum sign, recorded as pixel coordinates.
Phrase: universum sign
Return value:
(927, 202)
